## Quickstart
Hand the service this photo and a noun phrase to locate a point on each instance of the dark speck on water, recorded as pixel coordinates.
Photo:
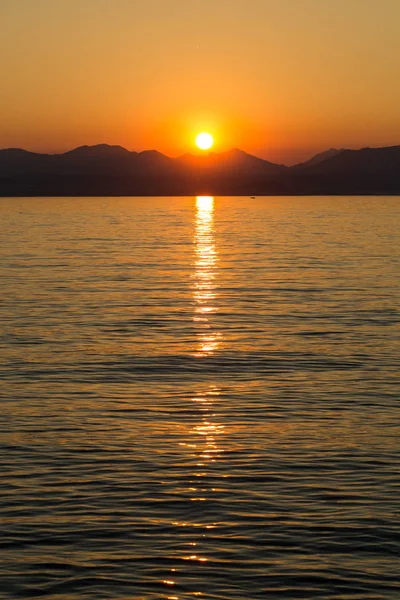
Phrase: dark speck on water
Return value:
(200, 398)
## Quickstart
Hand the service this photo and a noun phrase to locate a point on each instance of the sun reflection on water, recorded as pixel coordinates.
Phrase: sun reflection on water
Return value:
(205, 274)
(208, 336)
(201, 441)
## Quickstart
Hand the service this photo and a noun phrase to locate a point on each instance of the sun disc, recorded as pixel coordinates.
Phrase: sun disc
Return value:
(204, 140)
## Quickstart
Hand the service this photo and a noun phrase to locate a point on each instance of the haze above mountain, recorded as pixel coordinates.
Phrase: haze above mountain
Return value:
(113, 170)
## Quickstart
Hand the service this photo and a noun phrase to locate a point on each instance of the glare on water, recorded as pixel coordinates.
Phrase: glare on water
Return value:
(205, 276)
(202, 445)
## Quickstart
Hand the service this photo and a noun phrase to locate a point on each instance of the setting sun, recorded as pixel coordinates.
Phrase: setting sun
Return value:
(204, 140)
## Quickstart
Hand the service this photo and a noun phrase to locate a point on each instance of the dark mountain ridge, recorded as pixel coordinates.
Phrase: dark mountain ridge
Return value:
(318, 158)
(113, 170)
(232, 161)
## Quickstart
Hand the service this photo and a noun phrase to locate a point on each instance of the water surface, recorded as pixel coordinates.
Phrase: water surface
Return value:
(200, 398)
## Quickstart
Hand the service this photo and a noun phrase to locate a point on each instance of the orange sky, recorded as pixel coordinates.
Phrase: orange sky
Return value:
(282, 80)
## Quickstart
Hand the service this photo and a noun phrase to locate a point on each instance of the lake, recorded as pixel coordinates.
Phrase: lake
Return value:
(200, 398)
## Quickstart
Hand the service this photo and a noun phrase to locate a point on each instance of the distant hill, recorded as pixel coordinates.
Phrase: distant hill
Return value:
(232, 163)
(18, 163)
(318, 158)
(365, 171)
(99, 150)
(113, 170)
(364, 161)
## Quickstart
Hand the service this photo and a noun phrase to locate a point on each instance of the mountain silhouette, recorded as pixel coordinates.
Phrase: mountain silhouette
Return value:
(318, 158)
(98, 150)
(233, 163)
(365, 171)
(364, 161)
(112, 170)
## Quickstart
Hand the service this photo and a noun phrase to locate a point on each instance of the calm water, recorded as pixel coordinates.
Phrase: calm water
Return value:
(200, 398)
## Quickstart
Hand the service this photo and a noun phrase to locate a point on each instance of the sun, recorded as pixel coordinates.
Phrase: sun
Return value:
(204, 140)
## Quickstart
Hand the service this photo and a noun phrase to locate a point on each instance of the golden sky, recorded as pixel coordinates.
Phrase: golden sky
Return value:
(282, 79)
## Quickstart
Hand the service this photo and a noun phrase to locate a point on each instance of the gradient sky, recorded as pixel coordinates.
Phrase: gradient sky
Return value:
(281, 79)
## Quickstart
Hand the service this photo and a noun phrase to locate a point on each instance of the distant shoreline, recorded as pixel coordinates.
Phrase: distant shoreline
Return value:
(104, 170)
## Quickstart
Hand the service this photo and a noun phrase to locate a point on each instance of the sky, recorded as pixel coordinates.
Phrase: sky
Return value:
(282, 79)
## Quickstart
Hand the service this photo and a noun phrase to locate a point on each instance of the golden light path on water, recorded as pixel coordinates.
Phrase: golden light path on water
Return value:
(208, 338)
(202, 445)
(205, 276)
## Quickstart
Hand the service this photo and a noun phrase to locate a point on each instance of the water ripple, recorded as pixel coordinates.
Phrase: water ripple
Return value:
(200, 398)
